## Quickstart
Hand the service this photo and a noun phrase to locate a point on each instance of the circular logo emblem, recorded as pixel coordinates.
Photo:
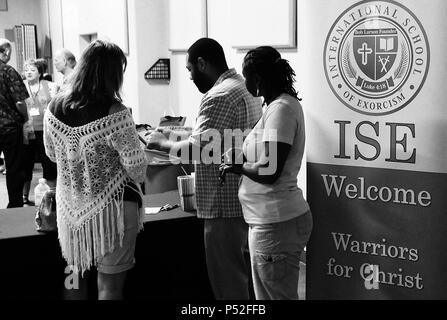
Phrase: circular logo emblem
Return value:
(376, 57)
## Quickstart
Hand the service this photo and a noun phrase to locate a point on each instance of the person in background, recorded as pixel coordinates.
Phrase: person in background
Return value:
(40, 94)
(226, 105)
(65, 62)
(274, 207)
(13, 115)
(2, 164)
(92, 137)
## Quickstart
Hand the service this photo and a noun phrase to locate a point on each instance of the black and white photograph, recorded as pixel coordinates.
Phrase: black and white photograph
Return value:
(220, 156)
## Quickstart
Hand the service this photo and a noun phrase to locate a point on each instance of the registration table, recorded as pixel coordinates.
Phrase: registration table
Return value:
(170, 260)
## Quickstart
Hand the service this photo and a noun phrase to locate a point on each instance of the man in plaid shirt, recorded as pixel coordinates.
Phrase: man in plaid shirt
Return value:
(12, 95)
(226, 105)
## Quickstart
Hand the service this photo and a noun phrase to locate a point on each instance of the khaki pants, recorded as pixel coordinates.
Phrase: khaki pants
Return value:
(275, 251)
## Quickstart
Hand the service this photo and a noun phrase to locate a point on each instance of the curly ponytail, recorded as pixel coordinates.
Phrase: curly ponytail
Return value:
(285, 77)
(276, 73)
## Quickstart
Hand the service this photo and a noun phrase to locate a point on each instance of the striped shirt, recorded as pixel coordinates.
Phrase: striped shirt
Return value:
(227, 105)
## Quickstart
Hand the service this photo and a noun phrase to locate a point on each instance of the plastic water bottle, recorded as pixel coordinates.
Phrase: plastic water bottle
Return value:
(39, 191)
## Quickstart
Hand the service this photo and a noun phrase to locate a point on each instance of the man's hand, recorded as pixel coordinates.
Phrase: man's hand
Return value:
(165, 131)
(22, 108)
(174, 135)
(225, 168)
(156, 140)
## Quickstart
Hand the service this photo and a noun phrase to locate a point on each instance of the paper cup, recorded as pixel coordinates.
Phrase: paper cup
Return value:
(187, 193)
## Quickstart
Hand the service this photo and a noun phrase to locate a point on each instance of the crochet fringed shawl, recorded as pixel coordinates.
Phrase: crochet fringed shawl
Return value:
(95, 162)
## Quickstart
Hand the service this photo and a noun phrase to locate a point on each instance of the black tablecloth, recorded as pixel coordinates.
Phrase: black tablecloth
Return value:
(170, 259)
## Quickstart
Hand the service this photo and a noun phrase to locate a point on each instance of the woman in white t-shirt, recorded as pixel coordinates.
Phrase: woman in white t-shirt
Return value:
(279, 218)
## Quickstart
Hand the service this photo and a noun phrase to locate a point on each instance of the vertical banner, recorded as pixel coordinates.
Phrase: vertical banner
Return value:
(375, 101)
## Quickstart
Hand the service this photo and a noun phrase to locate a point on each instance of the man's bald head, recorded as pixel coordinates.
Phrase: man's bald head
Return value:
(4, 43)
(63, 60)
(5, 50)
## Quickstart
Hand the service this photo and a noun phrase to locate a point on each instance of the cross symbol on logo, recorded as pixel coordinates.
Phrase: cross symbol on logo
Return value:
(384, 62)
(364, 51)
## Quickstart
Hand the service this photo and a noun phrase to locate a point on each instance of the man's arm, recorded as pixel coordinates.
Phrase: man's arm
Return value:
(216, 114)
(182, 149)
(22, 108)
(19, 93)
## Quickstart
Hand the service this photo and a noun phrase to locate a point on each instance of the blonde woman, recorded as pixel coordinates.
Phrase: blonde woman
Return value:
(92, 137)
(40, 94)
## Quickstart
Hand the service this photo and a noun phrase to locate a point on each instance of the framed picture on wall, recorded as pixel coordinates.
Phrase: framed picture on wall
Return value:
(187, 23)
(112, 26)
(263, 22)
(3, 5)
(116, 25)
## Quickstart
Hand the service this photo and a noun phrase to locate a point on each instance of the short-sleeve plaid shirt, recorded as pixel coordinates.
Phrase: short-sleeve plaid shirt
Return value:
(12, 90)
(227, 105)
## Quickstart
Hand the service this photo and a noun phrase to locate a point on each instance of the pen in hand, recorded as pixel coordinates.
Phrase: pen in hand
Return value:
(222, 174)
(229, 163)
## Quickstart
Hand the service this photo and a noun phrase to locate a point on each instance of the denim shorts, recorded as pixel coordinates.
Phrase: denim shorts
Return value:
(123, 258)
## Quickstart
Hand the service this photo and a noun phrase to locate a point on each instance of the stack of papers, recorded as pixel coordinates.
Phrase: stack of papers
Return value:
(152, 210)
(159, 158)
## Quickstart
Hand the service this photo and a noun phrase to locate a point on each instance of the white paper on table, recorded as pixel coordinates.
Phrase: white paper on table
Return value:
(152, 210)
